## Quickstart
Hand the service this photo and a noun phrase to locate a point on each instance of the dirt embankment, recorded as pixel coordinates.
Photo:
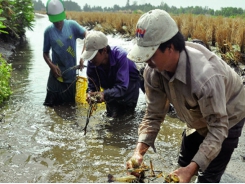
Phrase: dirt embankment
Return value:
(6, 49)
(8, 45)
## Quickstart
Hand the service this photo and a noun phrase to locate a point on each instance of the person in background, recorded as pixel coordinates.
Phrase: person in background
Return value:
(60, 37)
(207, 94)
(109, 68)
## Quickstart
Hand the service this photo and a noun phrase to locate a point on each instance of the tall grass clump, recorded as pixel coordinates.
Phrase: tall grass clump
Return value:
(227, 35)
(5, 74)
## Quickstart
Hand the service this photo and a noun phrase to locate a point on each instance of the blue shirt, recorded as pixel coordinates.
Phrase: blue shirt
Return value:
(63, 45)
(115, 82)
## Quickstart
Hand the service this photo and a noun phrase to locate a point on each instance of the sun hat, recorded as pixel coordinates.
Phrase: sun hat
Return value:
(55, 10)
(152, 29)
(94, 41)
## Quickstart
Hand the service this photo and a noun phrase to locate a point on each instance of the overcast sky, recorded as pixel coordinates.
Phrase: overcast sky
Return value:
(213, 4)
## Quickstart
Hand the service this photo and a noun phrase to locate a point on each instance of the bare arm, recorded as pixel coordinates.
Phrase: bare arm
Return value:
(139, 152)
(55, 69)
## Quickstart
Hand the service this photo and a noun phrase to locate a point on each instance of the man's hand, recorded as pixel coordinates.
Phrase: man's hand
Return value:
(186, 173)
(93, 97)
(139, 152)
(90, 97)
(100, 97)
(135, 161)
(137, 158)
(81, 64)
(55, 70)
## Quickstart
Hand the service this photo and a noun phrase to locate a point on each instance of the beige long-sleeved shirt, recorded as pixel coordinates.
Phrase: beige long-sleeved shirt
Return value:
(208, 96)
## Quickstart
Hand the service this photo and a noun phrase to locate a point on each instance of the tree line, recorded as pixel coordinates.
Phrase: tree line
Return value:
(136, 8)
(69, 5)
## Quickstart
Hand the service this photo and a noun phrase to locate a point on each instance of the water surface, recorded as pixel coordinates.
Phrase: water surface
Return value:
(43, 144)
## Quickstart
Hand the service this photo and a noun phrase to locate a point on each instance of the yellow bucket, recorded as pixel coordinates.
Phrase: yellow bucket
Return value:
(81, 87)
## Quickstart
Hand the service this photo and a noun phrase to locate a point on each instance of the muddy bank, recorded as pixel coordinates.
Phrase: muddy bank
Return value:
(7, 49)
(9, 45)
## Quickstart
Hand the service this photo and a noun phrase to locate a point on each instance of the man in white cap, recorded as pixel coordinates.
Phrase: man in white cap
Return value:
(206, 93)
(61, 38)
(109, 68)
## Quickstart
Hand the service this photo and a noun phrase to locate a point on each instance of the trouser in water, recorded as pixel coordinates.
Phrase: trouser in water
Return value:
(59, 93)
(213, 173)
(126, 104)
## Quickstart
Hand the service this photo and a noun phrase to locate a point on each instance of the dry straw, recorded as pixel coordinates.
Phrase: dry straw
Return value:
(226, 34)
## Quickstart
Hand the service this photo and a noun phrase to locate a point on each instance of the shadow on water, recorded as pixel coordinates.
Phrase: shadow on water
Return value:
(43, 144)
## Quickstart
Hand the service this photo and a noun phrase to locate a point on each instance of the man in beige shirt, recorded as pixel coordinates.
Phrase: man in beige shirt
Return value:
(207, 95)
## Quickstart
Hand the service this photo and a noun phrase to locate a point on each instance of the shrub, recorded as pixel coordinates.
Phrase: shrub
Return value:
(5, 74)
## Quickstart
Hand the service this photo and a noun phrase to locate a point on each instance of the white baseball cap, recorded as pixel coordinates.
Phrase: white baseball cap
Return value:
(152, 29)
(55, 10)
(94, 41)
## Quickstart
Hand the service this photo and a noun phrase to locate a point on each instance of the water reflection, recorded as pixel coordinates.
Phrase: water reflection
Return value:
(42, 144)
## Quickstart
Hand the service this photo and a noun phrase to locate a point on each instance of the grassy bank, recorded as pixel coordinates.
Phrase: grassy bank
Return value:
(5, 74)
(15, 17)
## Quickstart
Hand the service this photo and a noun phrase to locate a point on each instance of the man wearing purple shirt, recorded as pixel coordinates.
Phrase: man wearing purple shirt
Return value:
(110, 69)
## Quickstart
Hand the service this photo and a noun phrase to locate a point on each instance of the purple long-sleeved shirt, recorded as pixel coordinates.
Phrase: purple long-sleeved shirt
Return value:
(115, 82)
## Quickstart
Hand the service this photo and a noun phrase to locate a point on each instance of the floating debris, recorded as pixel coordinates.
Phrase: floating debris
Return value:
(171, 178)
(124, 179)
(139, 174)
(243, 158)
(92, 107)
(2, 117)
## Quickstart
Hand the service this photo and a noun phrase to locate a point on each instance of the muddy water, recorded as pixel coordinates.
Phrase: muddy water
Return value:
(42, 144)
